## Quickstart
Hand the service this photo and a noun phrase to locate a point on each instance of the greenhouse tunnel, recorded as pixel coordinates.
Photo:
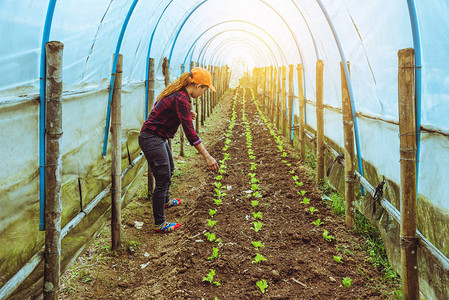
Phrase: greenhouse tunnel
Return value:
(247, 43)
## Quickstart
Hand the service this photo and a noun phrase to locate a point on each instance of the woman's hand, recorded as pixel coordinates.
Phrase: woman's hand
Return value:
(211, 163)
(193, 115)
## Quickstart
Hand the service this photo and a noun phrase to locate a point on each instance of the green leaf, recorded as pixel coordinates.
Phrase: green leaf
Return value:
(338, 259)
(262, 284)
(257, 244)
(258, 258)
(211, 223)
(347, 282)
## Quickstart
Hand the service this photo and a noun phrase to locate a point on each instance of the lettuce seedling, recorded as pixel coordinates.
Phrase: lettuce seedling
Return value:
(292, 171)
(313, 210)
(217, 184)
(258, 258)
(257, 215)
(210, 277)
(328, 237)
(212, 212)
(219, 177)
(254, 180)
(338, 259)
(302, 193)
(254, 203)
(295, 177)
(252, 157)
(257, 195)
(257, 226)
(253, 166)
(317, 222)
(305, 201)
(211, 223)
(299, 183)
(254, 187)
(262, 284)
(257, 244)
(210, 236)
(347, 282)
(214, 253)
(218, 201)
(284, 154)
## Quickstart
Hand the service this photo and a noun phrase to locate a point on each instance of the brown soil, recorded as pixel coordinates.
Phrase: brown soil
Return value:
(300, 263)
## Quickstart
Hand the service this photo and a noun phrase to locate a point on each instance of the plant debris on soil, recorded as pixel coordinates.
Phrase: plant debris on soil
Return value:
(300, 262)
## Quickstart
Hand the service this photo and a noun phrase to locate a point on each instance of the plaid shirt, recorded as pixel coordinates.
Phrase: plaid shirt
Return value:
(168, 113)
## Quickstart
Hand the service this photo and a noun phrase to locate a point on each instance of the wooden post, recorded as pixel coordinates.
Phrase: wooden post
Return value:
(302, 132)
(209, 91)
(273, 92)
(407, 136)
(181, 132)
(166, 73)
(53, 170)
(116, 156)
(348, 131)
(284, 101)
(150, 107)
(320, 122)
(278, 97)
(290, 103)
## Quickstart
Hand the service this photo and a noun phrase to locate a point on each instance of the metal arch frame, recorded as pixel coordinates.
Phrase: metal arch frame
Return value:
(42, 112)
(230, 43)
(201, 3)
(226, 43)
(204, 49)
(114, 69)
(349, 83)
(147, 64)
(231, 21)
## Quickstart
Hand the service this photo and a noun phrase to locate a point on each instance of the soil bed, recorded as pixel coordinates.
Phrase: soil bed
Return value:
(300, 262)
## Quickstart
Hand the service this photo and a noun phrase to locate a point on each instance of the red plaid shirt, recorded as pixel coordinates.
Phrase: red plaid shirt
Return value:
(168, 113)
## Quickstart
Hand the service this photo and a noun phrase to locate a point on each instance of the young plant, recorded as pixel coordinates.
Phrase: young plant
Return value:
(218, 178)
(218, 184)
(253, 166)
(212, 212)
(210, 236)
(254, 180)
(347, 282)
(305, 201)
(257, 215)
(214, 253)
(257, 195)
(211, 223)
(295, 177)
(218, 201)
(317, 222)
(313, 210)
(254, 187)
(254, 203)
(219, 194)
(210, 277)
(258, 258)
(302, 193)
(257, 226)
(257, 244)
(262, 284)
(338, 259)
(299, 183)
(252, 157)
(284, 154)
(328, 237)
(292, 171)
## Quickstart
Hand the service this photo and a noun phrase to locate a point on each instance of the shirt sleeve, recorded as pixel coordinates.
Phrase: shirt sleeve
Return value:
(184, 115)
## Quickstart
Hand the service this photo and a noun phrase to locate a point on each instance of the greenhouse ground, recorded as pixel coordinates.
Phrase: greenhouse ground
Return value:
(299, 262)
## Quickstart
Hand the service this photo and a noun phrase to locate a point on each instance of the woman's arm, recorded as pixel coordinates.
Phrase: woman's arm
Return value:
(210, 161)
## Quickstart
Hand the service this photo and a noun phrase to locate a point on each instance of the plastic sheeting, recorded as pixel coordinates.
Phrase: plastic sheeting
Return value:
(212, 32)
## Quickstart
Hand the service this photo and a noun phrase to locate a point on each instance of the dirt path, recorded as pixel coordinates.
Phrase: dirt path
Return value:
(299, 262)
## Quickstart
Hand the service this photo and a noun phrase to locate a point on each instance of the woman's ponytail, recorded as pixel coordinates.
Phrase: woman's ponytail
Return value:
(184, 80)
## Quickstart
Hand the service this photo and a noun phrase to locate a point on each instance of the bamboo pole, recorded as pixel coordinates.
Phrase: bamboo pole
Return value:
(284, 101)
(348, 132)
(270, 89)
(407, 136)
(320, 121)
(53, 170)
(116, 156)
(150, 100)
(302, 132)
(290, 103)
(166, 73)
(209, 91)
(181, 132)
